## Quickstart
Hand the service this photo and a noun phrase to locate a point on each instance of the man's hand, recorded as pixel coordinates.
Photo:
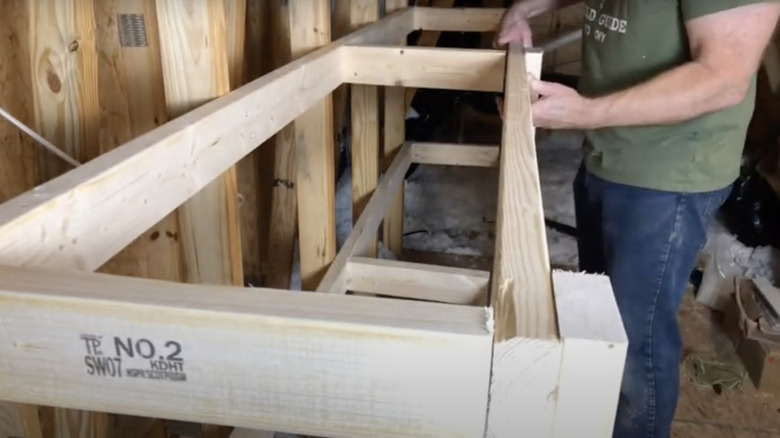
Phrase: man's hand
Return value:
(560, 107)
(514, 27)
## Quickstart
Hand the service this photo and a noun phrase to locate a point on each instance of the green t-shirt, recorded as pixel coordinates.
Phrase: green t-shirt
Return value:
(626, 42)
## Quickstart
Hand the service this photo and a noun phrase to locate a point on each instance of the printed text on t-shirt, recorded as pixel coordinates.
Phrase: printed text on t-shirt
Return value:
(598, 24)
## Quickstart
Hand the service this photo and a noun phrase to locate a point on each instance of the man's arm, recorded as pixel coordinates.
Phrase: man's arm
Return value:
(726, 47)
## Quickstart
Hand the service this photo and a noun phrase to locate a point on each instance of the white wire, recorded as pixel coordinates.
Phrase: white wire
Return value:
(42, 141)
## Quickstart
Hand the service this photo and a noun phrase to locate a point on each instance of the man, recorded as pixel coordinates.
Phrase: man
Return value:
(665, 98)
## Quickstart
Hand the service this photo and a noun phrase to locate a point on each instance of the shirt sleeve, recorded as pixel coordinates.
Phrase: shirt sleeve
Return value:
(697, 8)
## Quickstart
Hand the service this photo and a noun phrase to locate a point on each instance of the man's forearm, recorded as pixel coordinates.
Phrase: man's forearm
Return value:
(680, 94)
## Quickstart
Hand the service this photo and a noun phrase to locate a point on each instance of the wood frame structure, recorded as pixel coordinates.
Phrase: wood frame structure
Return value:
(519, 351)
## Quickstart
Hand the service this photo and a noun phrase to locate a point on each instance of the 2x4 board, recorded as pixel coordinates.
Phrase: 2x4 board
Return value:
(519, 351)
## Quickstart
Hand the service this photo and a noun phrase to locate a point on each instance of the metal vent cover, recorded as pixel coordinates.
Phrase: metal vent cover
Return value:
(132, 30)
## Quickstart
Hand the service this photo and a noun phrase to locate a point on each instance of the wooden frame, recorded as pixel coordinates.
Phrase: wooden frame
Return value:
(520, 351)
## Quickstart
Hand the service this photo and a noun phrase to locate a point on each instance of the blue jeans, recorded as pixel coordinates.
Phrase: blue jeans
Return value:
(647, 242)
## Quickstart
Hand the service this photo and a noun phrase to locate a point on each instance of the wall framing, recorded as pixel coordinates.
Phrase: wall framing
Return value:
(520, 351)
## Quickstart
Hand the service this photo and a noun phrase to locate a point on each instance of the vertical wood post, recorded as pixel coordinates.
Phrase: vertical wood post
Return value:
(364, 125)
(315, 177)
(394, 136)
(195, 69)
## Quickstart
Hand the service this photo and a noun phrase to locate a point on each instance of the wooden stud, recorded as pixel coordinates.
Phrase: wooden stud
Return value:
(426, 67)
(365, 126)
(443, 154)
(64, 67)
(196, 71)
(359, 241)
(417, 281)
(315, 175)
(394, 136)
(284, 357)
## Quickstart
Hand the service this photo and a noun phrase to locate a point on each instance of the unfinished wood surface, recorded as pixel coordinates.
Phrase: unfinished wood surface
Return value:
(138, 176)
(320, 364)
(594, 354)
(428, 38)
(248, 170)
(427, 67)
(19, 154)
(195, 68)
(284, 202)
(522, 289)
(256, 186)
(364, 125)
(418, 281)
(444, 154)
(394, 136)
(64, 66)
(316, 175)
(527, 353)
(132, 103)
(359, 240)
(457, 19)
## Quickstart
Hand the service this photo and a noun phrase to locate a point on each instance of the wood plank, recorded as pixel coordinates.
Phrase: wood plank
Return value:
(594, 354)
(359, 240)
(427, 67)
(418, 281)
(319, 364)
(444, 154)
(64, 67)
(457, 19)
(18, 156)
(394, 137)
(66, 212)
(132, 102)
(527, 352)
(256, 186)
(364, 126)
(284, 203)
(315, 174)
(428, 39)
(522, 262)
(195, 70)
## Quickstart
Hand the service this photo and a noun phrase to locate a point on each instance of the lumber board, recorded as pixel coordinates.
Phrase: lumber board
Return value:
(426, 67)
(457, 19)
(196, 70)
(359, 241)
(315, 183)
(80, 217)
(417, 281)
(394, 136)
(594, 347)
(448, 154)
(365, 126)
(284, 203)
(64, 66)
(522, 289)
(527, 353)
(320, 364)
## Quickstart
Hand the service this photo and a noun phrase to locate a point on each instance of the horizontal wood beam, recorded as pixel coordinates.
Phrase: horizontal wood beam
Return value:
(450, 154)
(457, 19)
(359, 241)
(425, 67)
(417, 281)
(80, 219)
(313, 364)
